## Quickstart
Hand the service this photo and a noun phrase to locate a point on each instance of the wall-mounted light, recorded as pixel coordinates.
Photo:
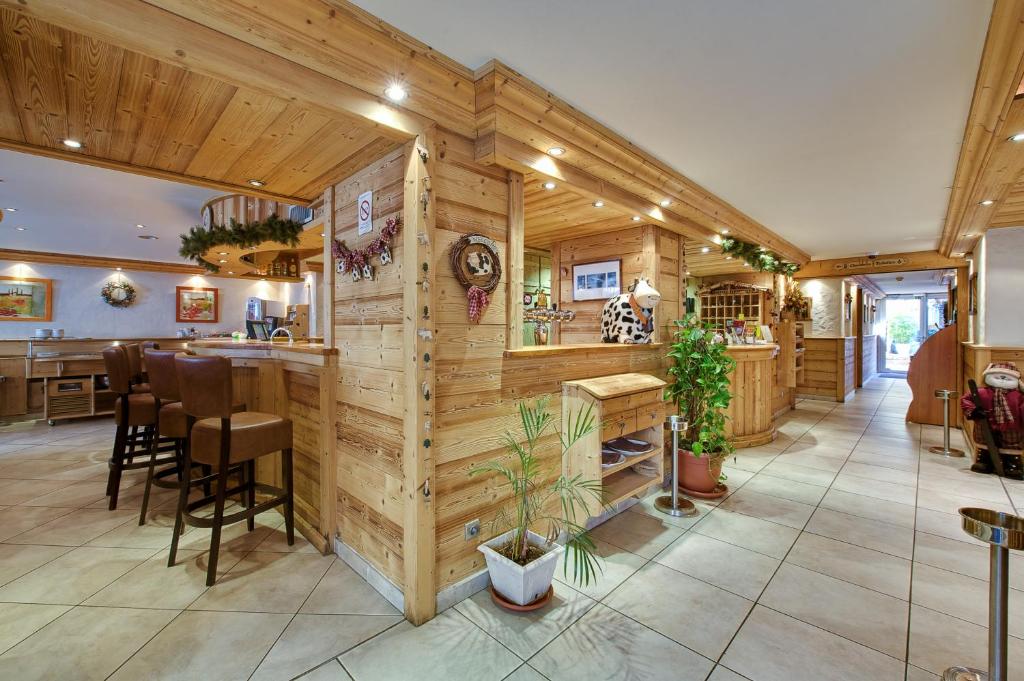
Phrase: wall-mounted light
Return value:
(395, 92)
(72, 144)
(556, 151)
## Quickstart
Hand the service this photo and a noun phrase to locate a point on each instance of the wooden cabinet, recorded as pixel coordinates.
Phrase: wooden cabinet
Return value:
(622, 405)
(13, 386)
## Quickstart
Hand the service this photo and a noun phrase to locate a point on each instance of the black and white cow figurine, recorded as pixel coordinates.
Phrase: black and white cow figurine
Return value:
(629, 317)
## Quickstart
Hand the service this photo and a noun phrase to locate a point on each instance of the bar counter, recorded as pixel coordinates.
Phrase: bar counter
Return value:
(751, 421)
(296, 380)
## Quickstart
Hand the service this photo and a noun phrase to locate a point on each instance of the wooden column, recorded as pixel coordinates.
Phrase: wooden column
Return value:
(963, 332)
(418, 334)
(555, 333)
(650, 271)
(514, 249)
(858, 330)
(327, 299)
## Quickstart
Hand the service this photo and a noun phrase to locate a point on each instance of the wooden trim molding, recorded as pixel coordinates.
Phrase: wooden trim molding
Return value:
(989, 124)
(890, 262)
(44, 258)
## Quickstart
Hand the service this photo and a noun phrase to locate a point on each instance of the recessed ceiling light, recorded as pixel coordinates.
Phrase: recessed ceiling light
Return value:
(1018, 137)
(725, 231)
(72, 144)
(636, 218)
(987, 202)
(141, 226)
(549, 185)
(665, 203)
(222, 252)
(598, 204)
(556, 151)
(705, 249)
(148, 237)
(21, 229)
(222, 260)
(230, 272)
(256, 183)
(11, 210)
(395, 92)
(119, 269)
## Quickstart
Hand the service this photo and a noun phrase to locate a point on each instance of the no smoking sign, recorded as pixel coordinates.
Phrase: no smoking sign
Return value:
(364, 212)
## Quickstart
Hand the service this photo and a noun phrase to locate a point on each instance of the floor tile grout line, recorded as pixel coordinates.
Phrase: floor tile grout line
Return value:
(36, 631)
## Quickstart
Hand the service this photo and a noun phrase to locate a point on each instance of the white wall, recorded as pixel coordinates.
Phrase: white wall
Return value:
(80, 311)
(826, 306)
(1000, 261)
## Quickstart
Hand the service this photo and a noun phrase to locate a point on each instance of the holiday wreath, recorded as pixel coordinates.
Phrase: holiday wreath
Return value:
(118, 293)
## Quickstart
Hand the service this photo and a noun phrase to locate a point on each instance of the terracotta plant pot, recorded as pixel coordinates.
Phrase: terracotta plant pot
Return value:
(698, 475)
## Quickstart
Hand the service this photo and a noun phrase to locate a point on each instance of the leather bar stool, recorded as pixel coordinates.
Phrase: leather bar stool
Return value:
(224, 439)
(131, 411)
(139, 385)
(170, 423)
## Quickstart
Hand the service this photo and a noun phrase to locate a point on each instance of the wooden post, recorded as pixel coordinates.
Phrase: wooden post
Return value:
(963, 332)
(555, 334)
(514, 249)
(327, 299)
(418, 334)
(649, 240)
(858, 330)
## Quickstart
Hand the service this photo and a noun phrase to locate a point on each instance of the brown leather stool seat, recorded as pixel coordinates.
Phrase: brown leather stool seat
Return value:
(141, 411)
(253, 434)
(229, 441)
(172, 421)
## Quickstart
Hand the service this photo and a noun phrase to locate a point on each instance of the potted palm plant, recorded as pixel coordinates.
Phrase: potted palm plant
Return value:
(700, 390)
(521, 562)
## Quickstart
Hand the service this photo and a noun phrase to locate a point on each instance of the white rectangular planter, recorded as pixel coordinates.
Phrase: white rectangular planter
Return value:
(521, 584)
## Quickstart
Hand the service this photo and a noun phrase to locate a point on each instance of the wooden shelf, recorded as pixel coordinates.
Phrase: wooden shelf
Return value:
(630, 461)
(626, 483)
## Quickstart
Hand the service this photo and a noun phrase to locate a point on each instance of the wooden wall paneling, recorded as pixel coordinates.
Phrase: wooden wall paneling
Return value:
(555, 333)
(514, 258)
(418, 340)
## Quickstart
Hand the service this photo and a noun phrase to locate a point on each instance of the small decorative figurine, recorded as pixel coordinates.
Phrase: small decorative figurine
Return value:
(629, 317)
(1002, 402)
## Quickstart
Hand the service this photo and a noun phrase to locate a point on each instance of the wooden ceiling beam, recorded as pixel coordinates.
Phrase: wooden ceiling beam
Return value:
(871, 287)
(988, 127)
(892, 262)
(109, 164)
(72, 260)
(150, 30)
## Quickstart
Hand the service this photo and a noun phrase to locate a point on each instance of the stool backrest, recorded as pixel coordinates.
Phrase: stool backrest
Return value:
(163, 375)
(205, 385)
(134, 360)
(118, 374)
(150, 345)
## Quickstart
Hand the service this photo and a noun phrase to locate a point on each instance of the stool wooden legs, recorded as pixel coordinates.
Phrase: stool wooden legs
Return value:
(289, 502)
(116, 465)
(218, 523)
(250, 480)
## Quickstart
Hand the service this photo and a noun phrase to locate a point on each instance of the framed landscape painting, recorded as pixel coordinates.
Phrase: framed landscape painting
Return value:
(26, 300)
(197, 304)
(596, 280)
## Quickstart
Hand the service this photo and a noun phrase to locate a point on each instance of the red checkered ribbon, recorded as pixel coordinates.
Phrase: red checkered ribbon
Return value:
(478, 302)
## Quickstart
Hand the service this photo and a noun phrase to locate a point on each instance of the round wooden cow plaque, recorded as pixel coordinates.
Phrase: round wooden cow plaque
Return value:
(475, 262)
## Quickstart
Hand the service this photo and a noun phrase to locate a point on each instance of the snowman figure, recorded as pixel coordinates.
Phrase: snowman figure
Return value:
(1002, 400)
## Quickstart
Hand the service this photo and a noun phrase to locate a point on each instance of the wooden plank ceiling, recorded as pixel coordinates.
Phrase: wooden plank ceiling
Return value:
(138, 114)
(556, 214)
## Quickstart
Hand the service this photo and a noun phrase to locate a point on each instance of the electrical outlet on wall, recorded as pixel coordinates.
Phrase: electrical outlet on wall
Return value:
(472, 529)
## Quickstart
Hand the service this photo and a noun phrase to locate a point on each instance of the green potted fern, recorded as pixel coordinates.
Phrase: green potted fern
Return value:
(521, 561)
(700, 390)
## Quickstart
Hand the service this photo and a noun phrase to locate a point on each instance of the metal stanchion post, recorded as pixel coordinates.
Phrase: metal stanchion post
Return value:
(1003, 532)
(945, 449)
(672, 504)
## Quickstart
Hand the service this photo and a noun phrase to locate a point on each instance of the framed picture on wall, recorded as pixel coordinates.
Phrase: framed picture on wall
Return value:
(597, 280)
(26, 300)
(200, 305)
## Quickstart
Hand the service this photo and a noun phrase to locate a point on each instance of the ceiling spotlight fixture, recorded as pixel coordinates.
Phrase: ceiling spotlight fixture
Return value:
(11, 210)
(725, 231)
(1018, 137)
(72, 144)
(636, 218)
(705, 249)
(987, 202)
(230, 272)
(665, 203)
(256, 183)
(556, 151)
(549, 185)
(147, 237)
(21, 229)
(395, 92)
(141, 226)
(222, 260)
(222, 252)
(599, 204)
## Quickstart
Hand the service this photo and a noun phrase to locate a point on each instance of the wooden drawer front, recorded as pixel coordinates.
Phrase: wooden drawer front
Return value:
(643, 399)
(650, 416)
(70, 386)
(44, 368)
(616, 404)
(79, 367)
(617, 425)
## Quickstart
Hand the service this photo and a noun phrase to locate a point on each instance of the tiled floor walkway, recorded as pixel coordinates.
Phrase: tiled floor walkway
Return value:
(838, 556)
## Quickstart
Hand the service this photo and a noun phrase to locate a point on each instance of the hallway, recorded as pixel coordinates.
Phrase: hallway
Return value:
(838, 539)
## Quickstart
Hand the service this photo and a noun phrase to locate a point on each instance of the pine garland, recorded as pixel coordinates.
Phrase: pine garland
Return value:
(759, 258)
(199, 240)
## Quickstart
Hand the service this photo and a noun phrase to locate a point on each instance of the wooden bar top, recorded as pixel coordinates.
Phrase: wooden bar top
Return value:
(550, 350)
(258, 348)
(742, 353)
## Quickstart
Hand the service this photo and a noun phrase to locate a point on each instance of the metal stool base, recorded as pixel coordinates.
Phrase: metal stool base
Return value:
(685, 509)
(964, 674)
(957, 453)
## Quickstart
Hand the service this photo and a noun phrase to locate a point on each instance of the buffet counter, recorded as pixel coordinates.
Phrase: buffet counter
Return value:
(751, 421)
(296, 380)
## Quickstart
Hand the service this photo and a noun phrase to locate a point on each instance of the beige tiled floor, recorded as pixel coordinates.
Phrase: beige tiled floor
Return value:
(838, 555)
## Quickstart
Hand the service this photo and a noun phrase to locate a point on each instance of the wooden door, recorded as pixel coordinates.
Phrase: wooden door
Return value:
(13, 388)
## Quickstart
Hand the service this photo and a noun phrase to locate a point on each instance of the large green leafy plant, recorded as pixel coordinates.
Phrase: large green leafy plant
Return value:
(700, 388)
(558, 508)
